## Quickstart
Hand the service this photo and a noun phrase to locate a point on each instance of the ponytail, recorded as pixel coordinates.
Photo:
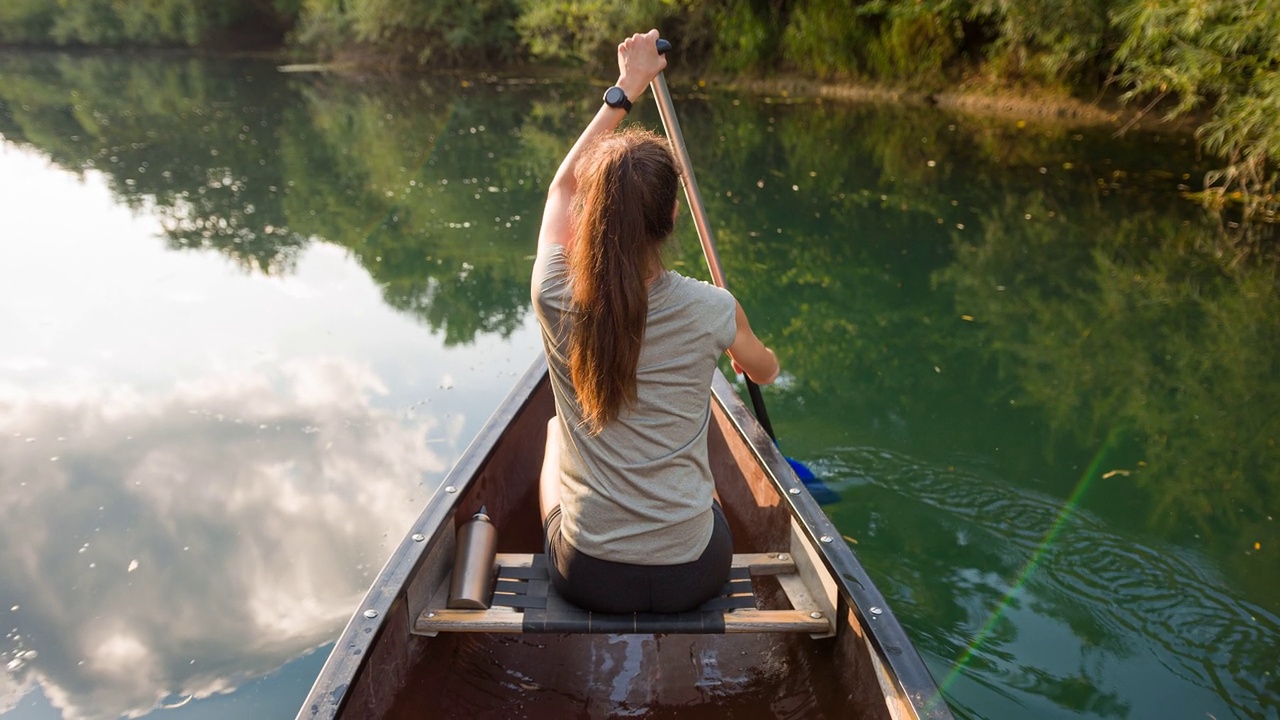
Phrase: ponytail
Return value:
(627, 185)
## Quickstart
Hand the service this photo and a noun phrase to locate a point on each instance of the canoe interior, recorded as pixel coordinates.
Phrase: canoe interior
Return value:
(395, 674)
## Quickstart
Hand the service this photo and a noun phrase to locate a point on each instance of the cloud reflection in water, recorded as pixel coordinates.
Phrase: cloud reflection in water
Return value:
(184, 543)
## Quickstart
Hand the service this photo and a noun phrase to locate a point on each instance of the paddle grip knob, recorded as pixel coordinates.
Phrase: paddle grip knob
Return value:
(664, 46)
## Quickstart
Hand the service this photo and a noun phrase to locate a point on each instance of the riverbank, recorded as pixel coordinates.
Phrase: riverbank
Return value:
(1031, 104)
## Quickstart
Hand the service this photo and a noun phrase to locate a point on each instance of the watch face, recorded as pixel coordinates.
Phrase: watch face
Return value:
(614, 97)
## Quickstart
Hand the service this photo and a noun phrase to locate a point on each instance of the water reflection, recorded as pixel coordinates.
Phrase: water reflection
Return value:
(204, 465)
(430, 193)
(183, 543)
(1094, 611)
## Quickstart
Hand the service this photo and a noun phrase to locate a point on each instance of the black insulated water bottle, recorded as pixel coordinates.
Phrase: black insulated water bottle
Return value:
(473, 564)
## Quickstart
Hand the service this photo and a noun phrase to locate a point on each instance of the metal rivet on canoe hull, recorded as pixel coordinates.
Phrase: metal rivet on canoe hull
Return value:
(371, 613)
(419, 537)
(450, 489)
(826, 538)
(876, 611)
(794, 491)
(815, 615)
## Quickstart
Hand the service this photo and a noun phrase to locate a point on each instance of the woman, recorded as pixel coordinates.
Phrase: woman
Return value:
(627, 496)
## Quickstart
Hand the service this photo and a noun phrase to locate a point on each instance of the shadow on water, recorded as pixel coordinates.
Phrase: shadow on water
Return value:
(1063, 628)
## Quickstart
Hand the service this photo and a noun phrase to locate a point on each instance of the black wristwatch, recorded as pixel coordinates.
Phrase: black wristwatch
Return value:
(614, 97)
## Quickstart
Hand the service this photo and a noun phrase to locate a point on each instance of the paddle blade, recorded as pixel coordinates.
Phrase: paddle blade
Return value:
(823, 494)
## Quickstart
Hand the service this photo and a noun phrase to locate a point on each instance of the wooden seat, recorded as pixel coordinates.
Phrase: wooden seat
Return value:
(524, 601)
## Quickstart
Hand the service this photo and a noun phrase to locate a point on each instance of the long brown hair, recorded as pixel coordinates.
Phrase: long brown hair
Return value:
(627, 185)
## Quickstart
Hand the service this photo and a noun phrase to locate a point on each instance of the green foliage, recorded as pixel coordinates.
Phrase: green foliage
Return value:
(910, 43)
(89, 22)
(912, 48)
(26, 21)
(138, 22)
(823, 38)
(747, 34)
(588, 31)
(322, 27)
(441, 30)
(1045, 41)
(424, 32)
(1220, 53)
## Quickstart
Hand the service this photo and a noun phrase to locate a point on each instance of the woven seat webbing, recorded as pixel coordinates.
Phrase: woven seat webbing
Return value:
(530, 589)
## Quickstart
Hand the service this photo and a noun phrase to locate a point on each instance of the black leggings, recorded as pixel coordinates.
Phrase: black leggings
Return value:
(614, 587)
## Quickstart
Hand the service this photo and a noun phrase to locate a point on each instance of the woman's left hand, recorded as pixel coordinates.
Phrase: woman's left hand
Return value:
(639, 63)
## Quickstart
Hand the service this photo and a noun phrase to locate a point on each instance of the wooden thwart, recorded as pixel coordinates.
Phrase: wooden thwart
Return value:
(525, 602)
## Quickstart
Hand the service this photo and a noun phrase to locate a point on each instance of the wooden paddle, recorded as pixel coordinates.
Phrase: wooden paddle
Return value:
(667, 110)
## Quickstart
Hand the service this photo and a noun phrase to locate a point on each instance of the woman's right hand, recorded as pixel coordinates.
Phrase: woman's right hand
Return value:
(639, 63)
(750, 356)
(759, 380)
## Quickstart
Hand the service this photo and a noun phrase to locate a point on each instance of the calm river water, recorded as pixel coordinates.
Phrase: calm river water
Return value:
(248, 319)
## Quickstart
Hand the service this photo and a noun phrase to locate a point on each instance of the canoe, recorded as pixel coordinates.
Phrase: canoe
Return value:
(801, 632)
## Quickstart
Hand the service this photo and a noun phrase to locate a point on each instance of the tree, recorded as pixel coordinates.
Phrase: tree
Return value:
(1224, 54)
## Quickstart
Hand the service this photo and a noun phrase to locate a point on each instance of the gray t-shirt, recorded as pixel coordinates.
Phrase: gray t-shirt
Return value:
(640, 491)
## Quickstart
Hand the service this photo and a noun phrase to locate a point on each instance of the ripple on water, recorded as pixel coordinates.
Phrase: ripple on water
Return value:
(1096, 623)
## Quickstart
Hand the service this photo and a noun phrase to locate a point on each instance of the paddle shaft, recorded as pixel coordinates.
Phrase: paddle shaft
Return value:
(667, 110)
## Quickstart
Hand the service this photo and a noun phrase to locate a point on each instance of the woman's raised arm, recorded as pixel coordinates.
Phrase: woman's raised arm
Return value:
(638, 64)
